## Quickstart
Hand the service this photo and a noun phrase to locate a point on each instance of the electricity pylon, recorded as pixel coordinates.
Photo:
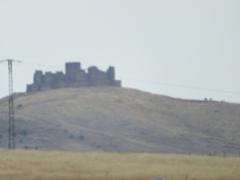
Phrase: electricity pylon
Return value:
(11, 126)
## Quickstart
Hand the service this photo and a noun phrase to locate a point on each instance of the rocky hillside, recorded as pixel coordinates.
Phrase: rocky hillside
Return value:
(121, 120)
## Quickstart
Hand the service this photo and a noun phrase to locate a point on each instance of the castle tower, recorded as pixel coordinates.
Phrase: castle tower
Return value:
(38, 78)
(72, 69)
(92, 75)
(111, 74)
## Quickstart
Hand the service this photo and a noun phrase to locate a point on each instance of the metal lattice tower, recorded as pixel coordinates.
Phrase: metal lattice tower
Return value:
(11, 126)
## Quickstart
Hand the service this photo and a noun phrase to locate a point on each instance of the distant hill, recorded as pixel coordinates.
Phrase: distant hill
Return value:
(121, 120)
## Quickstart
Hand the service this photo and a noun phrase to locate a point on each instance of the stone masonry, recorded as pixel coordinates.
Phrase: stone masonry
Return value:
(74, 76)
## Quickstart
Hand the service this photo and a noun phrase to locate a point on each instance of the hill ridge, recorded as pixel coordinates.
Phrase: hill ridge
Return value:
(122, 120)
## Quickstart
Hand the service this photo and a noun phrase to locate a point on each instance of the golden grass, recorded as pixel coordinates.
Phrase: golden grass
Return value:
(40, 165)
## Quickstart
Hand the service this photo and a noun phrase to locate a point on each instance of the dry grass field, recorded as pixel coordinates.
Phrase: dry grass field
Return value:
(40, 165)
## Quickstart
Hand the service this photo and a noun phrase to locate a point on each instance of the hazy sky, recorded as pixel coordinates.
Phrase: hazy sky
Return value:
(180, 48)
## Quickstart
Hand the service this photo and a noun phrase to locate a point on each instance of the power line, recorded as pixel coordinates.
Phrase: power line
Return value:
(185, 86)
(11, 123)
(176, 85)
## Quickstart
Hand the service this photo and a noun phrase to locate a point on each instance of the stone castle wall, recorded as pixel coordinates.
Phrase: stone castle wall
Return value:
(74, 76)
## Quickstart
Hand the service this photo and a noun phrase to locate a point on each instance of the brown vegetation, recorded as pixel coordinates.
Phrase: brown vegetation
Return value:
(31, 165)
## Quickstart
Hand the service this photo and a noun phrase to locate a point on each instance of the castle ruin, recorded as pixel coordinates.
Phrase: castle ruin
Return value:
(74, 76)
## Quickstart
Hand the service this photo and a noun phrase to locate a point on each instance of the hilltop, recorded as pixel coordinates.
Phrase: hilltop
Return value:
(121, 120)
